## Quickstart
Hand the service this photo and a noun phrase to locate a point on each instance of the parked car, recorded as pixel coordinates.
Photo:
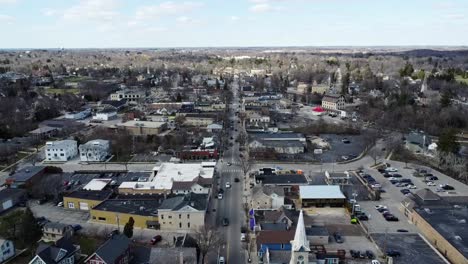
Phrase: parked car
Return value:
(354, 253)
(447, 187)
(236, 179)
(431, 184)
(243, 237)
(155, 240)
(402, 230)
(393, 253)
(433, 178)
(221, 260)
(381, 170)
(391, 169)
(405, 191)
(369, 254)
(374, 261)
(76, 227)
(338, 237)
(60, 204)
(220, 196)
(396, 175)
(225, 222)
(228, 185)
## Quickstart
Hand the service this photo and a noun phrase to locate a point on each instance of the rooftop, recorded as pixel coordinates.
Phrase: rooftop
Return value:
(129, 206)
(193, 200)
(8, 193)
(273, 136)
(27, 173)
(60, 143)
(90, 195)
(321, 192)
(97, 184)
(168, 173)
(451, 223)
(282, 179)
(275, 237)
(149, 124)
(113, 248)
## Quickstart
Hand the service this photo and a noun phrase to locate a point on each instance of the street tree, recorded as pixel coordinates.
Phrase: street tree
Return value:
(448, 141)
(208, 239)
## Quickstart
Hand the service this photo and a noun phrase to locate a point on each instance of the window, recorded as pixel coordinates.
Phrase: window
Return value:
(180, 216)
(162, 216)
(71, 205)
(170, 217)
(180, 225)
(188, 216)
(61, 154)
(188, 225)
(282, 246)
(101, 218)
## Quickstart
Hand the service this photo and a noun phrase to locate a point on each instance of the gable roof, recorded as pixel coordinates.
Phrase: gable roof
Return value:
(332, 98)
(113, 248)
(113, 103)
(275, 237)
(50, 254)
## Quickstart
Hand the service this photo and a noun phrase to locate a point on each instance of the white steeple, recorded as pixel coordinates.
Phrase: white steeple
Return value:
(300, 242)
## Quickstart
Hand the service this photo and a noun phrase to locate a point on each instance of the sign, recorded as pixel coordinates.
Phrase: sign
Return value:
(318, 151)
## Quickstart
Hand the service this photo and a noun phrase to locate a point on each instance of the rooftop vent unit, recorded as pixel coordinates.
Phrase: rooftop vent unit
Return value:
(461, 221)
(458, 238)
(427, 210)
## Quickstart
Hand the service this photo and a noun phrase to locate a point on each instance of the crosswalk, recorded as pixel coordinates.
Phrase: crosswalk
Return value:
(232, 171)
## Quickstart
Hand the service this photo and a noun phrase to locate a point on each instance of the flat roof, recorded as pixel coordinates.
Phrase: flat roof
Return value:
(27, 173)
(451, 223)
(150, 124)
(97, 184)
(321, 192)
(90, 195)
(167, 173)
(282, 179)
(129, 206)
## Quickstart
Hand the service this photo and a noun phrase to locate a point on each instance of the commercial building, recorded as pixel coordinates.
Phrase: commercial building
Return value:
(95, 150)
(321, 195)
(105, 115)
(10, 197)
(140, 128)
(85, 200)
(62, 150)
(280, 146)
(198, 185)
(118, 211)
(25, 177)
(442, 221)
(164, 176)
(333, 102)
(183, 212)
(130, 96)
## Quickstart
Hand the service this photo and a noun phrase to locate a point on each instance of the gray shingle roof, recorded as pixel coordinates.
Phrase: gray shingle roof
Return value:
(113, 248)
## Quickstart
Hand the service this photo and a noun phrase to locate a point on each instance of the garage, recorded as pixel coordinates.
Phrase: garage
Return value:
(7, 204)
(84, 206)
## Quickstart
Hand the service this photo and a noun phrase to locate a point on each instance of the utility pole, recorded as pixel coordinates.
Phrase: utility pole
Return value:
(118, 222)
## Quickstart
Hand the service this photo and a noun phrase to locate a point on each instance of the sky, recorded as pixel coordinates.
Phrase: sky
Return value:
(220, 23)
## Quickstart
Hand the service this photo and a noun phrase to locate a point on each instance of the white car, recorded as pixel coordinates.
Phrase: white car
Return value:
(229, 164)
(60, 204)
(221, 260)
(391, 169)
(431, 184)
(380, 206)
(220, 196)
(374, 261)
(377, 185)
(243, 237)
(409, 186)
(228, 185)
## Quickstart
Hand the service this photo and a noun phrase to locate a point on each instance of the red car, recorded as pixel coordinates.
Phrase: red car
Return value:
(155, 240)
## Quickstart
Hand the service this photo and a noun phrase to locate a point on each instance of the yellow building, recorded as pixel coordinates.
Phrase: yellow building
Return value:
(85, 200)
(119, 211)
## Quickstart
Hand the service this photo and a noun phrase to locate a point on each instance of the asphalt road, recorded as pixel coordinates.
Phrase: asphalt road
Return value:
(230, 206)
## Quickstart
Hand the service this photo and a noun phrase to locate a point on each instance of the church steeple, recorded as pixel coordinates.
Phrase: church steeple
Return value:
(300, 245)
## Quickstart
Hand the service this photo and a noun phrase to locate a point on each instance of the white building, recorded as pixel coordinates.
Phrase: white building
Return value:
(62, 150)
(105, 115)
(78, 115)
(131, 96)
(95, 150)
(8, 249)
(333, 102)
(164, 176)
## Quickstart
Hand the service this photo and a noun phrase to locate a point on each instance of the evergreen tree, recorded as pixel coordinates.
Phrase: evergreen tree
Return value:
(448, 141)
(128, 228)
(445, 99)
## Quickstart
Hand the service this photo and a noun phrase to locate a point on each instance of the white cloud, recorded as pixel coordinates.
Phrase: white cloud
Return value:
(263, 7)
(166, 9)
(455, 16)
(49, 12)
(234, 18)
(7, 19)
(97, 10)
(2, 2)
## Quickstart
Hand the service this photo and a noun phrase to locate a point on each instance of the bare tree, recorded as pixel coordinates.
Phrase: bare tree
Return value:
(208, 239)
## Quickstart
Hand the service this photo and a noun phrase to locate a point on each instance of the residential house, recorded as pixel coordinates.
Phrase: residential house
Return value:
(273, 240)
(10, 197)
(63, 150)
(78, 115)
(85, 200)
(183, 212)
(333, 102)
(95, 150)
(198, 185)
(258, 120)
(116, 250)
(54, 231)
(418, 142)
(7, 249)
(267, 197)
(61, 252)
(105, 114)
(118, 211)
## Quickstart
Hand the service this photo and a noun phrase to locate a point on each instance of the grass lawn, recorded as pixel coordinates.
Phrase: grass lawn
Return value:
(62, 91)
(461, 79)
(88, 244)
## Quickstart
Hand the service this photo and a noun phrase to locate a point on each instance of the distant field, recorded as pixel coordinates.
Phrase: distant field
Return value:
(75, 79)
(461, 79)
(62, 91)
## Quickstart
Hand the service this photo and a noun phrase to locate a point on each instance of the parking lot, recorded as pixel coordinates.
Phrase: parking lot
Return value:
(412, 247)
